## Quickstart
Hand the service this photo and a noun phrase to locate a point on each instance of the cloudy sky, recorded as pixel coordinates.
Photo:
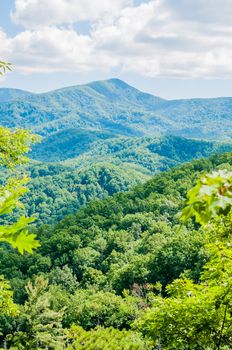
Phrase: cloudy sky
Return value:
(172, 48)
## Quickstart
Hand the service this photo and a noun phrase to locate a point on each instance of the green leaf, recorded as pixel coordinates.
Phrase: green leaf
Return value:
(17, 235)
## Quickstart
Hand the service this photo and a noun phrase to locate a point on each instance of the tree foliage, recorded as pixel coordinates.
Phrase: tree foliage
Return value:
(7, 306)
(13, 146)
(212, 196)
(124, 272)
(4, 66)
(198, 315)
(39, 326)
(106, 338)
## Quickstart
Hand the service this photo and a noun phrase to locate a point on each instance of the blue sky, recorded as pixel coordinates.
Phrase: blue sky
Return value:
(171, 48)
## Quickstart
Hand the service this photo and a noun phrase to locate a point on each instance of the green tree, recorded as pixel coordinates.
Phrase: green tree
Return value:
(39, 326)
(7, 306)
(64, 278)
(90, 308)
(106, 339)
(199, 315)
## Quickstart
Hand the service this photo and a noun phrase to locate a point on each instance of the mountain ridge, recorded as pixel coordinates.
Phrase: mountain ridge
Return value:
(11, 94)
(108, 166)
(117, 81)
(114, 106)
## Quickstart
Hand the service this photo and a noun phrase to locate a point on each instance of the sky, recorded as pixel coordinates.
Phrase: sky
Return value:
(170, 48)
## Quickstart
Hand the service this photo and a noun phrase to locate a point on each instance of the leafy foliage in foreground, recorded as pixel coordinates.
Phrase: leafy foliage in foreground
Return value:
(4, 66)
(198, 315)
(7, 305)
(13, 146)
(212, 196)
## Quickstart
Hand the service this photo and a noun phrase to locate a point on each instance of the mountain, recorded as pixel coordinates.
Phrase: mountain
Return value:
(7, 95)
(109, 137)
(107, 105)
(110, 166)
(200, 118)
(116, 107)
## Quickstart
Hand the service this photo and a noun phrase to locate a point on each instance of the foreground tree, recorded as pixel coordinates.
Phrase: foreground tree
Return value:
(13, 146)
(199, 315)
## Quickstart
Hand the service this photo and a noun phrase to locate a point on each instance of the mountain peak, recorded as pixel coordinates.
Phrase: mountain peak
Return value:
(115, 88)
(118, 82)
(111, 82)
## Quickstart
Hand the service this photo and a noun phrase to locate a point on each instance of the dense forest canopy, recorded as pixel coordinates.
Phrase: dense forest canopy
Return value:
(106, 264)
(111, 166)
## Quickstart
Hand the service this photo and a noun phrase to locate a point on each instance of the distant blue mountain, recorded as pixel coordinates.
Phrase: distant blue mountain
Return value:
(7, 95)
(115, 107)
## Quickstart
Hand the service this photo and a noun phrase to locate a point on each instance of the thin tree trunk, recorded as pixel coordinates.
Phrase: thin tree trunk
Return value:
(222, 328)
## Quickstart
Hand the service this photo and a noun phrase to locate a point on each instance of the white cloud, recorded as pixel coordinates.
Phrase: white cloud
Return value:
(156, 38)
(4, 45)
(39, 13)
(52, 49)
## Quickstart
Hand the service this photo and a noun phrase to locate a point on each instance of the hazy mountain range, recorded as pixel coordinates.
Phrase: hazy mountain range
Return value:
(7, 95)
(113, 108)
(109, 137)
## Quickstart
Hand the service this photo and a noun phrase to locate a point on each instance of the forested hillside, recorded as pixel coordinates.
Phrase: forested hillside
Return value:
(105, 264)
(151, 153)
(108, 105)
(67, 144)
(111, 166)
(118, 108)
(57, 190)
